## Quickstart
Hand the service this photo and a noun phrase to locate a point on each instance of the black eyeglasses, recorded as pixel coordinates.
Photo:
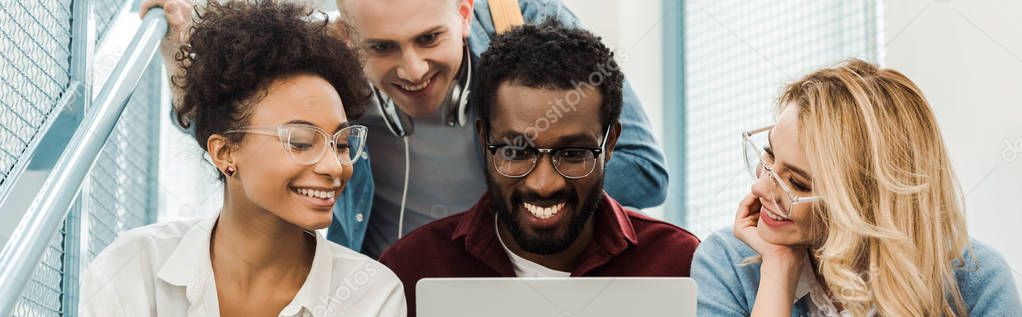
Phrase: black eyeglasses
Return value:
(518, 160)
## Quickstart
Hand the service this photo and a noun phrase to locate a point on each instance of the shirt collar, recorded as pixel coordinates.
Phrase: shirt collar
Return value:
(614, 228)
(317, 284)
(805, 280)
(189, 266)
(480, 238)
(612, 218)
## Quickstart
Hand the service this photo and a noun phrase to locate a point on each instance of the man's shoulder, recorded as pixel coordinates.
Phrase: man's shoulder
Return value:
(425, 239)
(660, 232)
(533, 12)
(529, 8)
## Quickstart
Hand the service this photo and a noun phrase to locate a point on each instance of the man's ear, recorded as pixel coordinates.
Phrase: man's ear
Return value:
(615, 132)
(481, 135)
(343, 31)
(465, 13)
(343, 26)
(221, 152)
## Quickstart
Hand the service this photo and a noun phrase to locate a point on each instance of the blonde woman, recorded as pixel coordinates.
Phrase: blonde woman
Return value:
(855, 212)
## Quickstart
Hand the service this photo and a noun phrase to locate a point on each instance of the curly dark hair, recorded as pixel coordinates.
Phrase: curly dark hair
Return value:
(549, 55)
(238, 48)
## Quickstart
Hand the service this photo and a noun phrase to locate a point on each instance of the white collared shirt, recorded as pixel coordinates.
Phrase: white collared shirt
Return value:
(165, 270)
(819, 304)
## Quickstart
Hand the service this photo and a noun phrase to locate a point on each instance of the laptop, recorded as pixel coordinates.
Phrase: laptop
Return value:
(555, 297)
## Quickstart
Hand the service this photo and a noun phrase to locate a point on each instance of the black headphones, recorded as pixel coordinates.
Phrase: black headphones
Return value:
(454, 107)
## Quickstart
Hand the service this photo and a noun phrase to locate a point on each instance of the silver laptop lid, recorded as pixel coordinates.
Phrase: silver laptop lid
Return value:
(555, 297)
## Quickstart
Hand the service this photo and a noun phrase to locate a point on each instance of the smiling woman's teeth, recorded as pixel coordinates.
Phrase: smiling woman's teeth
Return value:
(315, 193)
(418, 87)
(543, 212)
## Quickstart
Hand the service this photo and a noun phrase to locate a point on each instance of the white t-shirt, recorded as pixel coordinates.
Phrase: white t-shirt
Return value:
(165, 270)
(524, 267)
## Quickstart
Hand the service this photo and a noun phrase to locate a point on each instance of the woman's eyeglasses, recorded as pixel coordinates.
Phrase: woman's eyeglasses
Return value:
(758, 164)
(305, 144)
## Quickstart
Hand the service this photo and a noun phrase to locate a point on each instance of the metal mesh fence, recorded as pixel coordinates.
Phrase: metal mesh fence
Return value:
(105, 11)
(123, 187)
(35, 68)
(42, 295)
(739, 54)
(120, 192)
(35, 41)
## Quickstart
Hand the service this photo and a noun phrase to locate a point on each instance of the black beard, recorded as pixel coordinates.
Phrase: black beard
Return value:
(545, 244)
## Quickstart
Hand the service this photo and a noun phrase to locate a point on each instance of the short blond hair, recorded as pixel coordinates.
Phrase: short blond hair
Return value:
(346, 18)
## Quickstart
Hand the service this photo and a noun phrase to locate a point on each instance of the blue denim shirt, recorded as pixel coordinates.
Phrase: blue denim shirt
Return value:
(636, 177)
(728, 289)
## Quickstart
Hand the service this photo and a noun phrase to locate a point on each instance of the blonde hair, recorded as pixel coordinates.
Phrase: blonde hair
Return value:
(891, 224)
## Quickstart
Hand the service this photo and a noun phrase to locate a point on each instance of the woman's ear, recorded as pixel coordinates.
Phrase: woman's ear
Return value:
(221, 152)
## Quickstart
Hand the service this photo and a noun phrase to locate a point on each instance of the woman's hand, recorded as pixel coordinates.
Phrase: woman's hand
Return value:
(746, 230)
(781, 264)
(179, 21)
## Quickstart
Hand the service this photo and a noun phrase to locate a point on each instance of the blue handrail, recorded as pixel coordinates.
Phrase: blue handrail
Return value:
(45, 211)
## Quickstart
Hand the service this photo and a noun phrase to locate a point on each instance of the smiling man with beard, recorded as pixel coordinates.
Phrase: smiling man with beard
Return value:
(550, 98)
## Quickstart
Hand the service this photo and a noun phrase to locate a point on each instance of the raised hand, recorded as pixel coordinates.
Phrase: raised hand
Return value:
(746, 230)
(179, 20)
(781, 265)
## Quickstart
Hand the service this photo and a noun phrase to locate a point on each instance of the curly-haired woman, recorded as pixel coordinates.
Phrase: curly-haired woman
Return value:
(269, 93)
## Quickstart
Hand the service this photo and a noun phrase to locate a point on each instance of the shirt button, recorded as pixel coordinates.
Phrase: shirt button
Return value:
(365, 155)
(359, 217)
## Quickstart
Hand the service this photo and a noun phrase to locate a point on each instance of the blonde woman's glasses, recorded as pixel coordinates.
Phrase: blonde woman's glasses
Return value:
(758, 164)
(305, 144)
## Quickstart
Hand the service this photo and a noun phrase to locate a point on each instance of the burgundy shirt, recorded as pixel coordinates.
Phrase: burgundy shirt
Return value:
(625, 243)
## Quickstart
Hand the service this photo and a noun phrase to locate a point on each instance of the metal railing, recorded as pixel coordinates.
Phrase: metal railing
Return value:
(41, 202)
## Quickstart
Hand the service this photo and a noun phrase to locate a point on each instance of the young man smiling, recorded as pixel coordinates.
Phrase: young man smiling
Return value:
(415, 50)
(545, 213)
(425, 164)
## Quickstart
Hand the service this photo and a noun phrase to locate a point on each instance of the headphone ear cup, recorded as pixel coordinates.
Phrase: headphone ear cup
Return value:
(455, 107)
(463, 108)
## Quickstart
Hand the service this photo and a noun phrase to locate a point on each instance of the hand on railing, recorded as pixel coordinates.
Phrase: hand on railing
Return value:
(179, 20)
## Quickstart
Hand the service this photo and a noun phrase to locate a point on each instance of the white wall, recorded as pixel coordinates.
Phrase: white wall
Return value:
(967, 56)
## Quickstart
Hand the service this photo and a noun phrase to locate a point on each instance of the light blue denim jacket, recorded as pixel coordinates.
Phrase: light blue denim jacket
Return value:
(636, 177)
(728, 289)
